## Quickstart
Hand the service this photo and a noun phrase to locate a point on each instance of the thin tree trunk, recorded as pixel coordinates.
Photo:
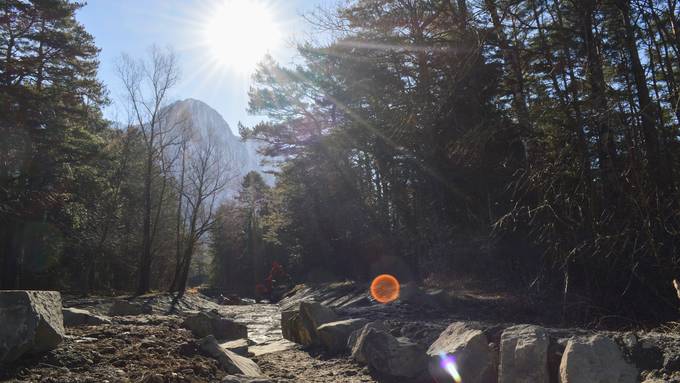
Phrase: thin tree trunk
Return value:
(178, 228)
(145, 259)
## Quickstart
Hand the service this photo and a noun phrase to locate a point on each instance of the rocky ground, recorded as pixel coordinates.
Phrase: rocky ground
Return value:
(154, 346)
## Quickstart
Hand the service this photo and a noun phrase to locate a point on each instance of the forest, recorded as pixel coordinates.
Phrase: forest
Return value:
(527, 146)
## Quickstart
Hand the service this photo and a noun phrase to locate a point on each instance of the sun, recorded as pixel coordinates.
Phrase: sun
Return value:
(238, 33)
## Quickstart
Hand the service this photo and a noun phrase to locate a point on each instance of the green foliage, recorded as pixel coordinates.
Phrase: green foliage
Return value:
(547, 128)
(69, 181)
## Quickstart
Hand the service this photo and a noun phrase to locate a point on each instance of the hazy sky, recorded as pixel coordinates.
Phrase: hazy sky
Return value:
(132, 26)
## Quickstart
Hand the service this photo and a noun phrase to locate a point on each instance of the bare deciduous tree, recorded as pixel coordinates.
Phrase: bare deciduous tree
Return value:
(206, 170)
(147, 83)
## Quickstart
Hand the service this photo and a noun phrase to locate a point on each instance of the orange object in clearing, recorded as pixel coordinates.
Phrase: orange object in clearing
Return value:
(385, 288)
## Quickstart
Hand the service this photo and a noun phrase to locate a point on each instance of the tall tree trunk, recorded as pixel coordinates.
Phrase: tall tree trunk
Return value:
(606, 145)
(647, 109)
(516, 79)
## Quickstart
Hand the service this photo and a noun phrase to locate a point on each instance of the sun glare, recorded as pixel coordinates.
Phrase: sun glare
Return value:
(239, 33)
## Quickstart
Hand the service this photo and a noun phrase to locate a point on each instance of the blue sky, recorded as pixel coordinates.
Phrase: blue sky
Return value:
(132, 26)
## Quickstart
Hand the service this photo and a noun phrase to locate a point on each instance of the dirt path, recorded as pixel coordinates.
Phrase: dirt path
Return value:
(284, 361)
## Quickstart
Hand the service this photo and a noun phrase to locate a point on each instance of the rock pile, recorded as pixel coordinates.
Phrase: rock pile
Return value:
(479, 353)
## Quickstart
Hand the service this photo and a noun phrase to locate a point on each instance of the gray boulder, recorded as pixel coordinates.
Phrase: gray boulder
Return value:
(595, 359)
(229, 361)
(395, 357)
(124, 308)
(468, 345)
(524, 355)
(31, 322)
(79, 317)
(334, 335)
(352, 339)
(300, 321)
(203, 324)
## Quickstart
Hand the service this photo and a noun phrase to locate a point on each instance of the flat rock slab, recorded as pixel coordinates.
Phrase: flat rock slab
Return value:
(79, 317)
(31, 322)
(243, 379)
(239, 346)
(230, 362)
(268, 348)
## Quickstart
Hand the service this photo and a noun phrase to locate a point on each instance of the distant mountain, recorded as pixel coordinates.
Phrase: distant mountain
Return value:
(207, 123)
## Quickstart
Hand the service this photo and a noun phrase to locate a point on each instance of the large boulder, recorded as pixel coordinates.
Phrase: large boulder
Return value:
(334, 335)
(31, 322)
(524, 355)
(469, 347)
(300, 321)
(388, 355)
(595, 359)
(228, 361)
(79, 317)
(125, 308)
(207, 323)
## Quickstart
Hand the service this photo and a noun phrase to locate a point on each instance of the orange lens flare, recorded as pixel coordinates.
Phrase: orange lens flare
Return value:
(385, 288)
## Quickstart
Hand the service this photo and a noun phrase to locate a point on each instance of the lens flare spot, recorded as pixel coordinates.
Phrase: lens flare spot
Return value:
(448, 364)
(385, 288)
